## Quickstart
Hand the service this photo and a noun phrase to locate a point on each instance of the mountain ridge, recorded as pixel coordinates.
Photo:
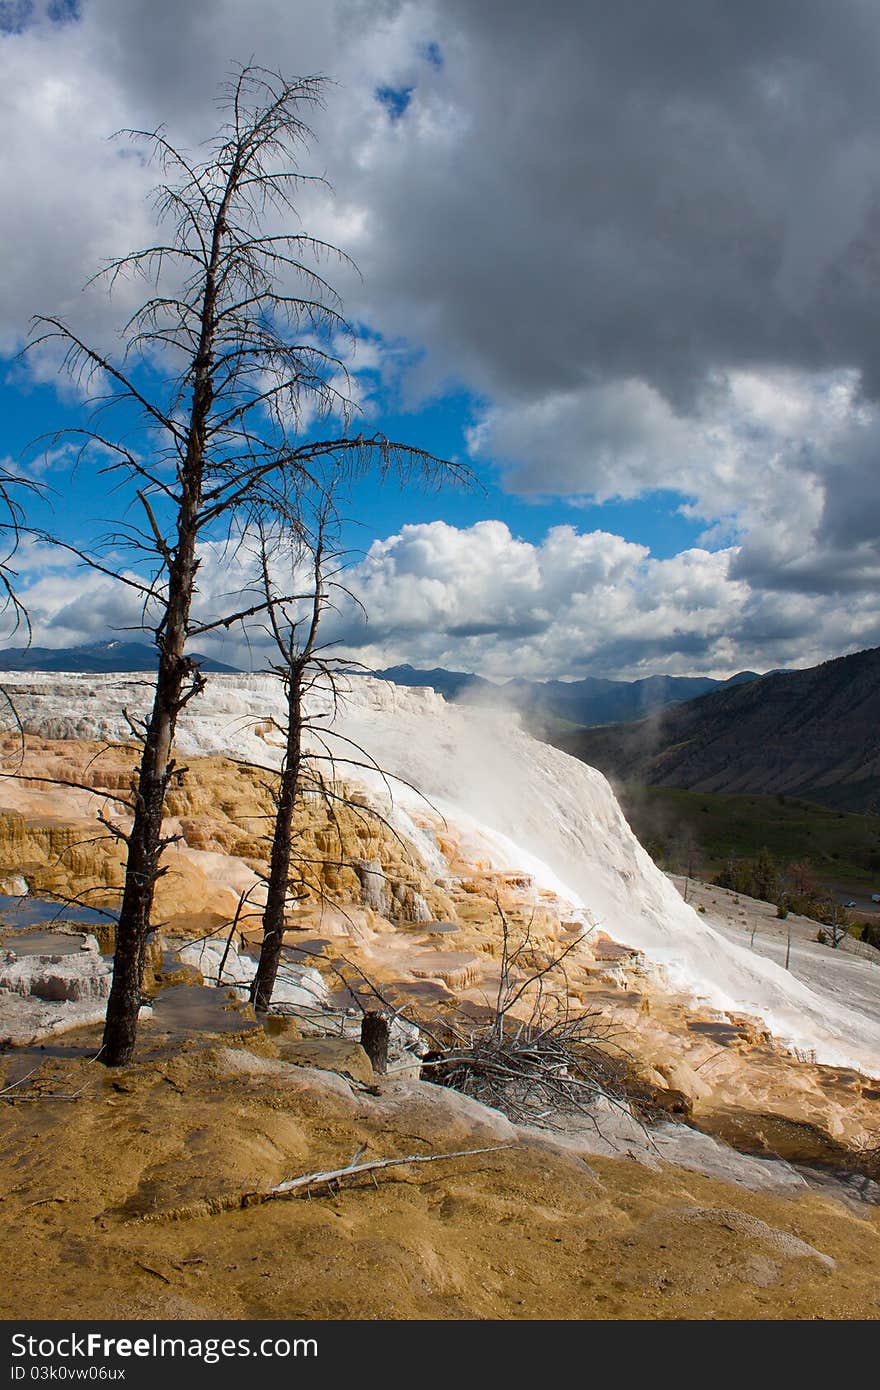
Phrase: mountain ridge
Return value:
(591, 700)
(114, 657)
(547, 705)
(810, 733)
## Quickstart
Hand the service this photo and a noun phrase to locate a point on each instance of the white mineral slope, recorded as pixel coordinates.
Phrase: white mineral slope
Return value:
(523, 804)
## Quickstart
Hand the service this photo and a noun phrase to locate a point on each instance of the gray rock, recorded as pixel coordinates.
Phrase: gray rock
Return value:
(56, 978)
(375, 890)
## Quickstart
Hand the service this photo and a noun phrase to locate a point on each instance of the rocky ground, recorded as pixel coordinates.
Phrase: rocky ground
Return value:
(722, 1192)
(116, 1205)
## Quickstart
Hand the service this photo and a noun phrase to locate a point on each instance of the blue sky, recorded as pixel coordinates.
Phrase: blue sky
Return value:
(626, 283)
(70, 505)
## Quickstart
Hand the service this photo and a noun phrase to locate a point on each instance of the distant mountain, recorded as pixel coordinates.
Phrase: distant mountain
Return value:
(549, 704)
(109, 657)
(813, 734)
(549, 707)
(451, 684)
(594, 700)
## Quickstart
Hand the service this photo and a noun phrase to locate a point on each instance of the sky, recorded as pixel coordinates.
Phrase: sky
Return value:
(621, 260)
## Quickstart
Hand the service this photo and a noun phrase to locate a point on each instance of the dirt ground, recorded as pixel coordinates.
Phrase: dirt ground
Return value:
(106, 1211)
(120, 1193)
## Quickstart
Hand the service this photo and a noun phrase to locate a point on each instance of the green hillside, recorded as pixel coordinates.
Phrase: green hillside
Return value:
(705, 829)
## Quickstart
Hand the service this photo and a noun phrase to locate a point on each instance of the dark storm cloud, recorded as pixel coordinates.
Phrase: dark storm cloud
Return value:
(851, 514)
(577, 191)
(645, 191)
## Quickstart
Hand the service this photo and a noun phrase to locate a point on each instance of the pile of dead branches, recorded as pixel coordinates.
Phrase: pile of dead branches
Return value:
(534, 1056)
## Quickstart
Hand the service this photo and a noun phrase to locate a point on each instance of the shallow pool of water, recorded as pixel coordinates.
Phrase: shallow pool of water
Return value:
(428, 990)
(198, 1009)
(21, 1062)
(42, 943)
(32, 912)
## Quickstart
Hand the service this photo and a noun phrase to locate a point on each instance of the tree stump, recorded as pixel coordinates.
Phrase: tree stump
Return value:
(374, 1040)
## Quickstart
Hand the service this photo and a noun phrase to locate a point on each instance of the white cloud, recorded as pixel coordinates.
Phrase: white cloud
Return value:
(583, 603)
(784, 462)
(618, 439)
(480, 599)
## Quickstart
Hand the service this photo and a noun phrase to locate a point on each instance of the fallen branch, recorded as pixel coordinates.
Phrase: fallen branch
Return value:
(285, 1189)
(305, 1184)
(150, 1270)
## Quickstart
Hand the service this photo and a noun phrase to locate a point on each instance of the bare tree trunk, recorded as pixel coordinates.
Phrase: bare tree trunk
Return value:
(374, 1040)
(145, 843)
(134, 918)
(282, 851)
(145, 847)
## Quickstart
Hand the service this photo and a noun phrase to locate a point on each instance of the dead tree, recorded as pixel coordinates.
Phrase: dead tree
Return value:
(12, 610)
(225, 362)
(838, 925)
(12, 486)
(295, 637)
(306, 558)
(374, 1039)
